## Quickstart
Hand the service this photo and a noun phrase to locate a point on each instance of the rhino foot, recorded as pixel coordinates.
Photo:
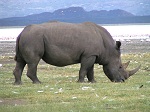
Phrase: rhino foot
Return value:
(17, 83)
(92, 81)
(81, 81)
(37, 82)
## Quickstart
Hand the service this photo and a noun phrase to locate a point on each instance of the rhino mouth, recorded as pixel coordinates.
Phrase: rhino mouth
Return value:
(121, 80)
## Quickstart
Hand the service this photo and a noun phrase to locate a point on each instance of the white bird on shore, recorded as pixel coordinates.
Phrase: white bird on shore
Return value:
(148, 40)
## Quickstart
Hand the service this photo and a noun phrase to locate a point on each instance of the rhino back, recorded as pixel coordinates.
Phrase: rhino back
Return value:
(62, 44)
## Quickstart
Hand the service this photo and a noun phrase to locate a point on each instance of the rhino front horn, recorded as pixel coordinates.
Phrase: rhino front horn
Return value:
(134, 71)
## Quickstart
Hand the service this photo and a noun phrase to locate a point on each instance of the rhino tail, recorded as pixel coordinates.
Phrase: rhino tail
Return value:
(17, 55)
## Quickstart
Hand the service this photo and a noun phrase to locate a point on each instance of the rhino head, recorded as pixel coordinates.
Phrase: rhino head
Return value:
(115, 70)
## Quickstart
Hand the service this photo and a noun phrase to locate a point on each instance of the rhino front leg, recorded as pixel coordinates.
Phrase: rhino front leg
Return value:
(90, 75)
(86, 65)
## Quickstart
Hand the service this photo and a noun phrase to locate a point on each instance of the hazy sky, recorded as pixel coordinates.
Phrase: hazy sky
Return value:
(9, 8)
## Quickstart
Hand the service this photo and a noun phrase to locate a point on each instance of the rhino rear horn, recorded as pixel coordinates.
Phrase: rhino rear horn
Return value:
(134, 71)
(125, 65)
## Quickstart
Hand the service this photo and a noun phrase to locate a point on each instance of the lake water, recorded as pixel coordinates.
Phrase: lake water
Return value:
(118, 32)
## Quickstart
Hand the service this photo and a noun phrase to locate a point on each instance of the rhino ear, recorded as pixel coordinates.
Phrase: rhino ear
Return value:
(118, 44)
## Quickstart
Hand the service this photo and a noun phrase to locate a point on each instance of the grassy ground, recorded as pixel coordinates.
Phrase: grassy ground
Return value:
(59, 91)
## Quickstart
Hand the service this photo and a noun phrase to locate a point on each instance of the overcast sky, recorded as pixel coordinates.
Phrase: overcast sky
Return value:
(10, 8)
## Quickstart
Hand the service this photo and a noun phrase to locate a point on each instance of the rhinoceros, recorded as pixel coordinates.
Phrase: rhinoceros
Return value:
(61, 44)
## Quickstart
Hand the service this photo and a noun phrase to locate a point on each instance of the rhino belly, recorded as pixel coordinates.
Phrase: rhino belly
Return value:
(59, 56)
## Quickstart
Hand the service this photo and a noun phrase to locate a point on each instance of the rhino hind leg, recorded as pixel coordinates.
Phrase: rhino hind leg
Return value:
(32, 73)
(18, 72)
(86, 68)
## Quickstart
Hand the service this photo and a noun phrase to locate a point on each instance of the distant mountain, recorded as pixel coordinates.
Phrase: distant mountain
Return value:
(77, 15)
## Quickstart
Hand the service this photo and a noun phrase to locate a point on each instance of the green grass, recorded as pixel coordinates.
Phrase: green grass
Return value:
(59, 91)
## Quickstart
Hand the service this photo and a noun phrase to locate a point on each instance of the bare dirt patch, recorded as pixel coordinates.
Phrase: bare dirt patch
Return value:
(135, 46)
(7, 48)
(13, 102)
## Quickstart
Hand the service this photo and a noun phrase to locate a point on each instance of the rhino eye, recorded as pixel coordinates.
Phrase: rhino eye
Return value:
(120, 67)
